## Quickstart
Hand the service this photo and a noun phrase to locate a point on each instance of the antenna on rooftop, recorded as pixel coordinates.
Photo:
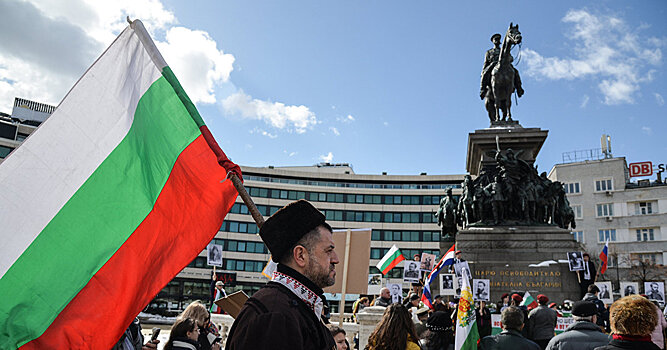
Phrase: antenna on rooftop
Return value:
(605, 142)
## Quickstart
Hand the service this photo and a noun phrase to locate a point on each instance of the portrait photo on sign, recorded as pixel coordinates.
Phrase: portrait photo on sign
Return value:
(462, 266)
(411, 271)
(576, 261)
(214, 255)
(448, 284)
(605, 292)
(396, 291)
(374, 283)
(427, 262)
(480, 289)
(655, 290)
(629, 288)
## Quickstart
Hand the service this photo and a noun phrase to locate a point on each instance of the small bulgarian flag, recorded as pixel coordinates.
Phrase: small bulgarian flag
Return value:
(106, 202)
(391, 259)
(529, 301)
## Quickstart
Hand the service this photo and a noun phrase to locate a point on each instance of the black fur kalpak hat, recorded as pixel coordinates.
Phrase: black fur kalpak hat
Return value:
(286, 227)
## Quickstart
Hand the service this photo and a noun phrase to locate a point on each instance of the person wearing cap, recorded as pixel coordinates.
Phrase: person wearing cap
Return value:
(583, 334)
(420, 327)
(438, 305)
(504, 302)
(490, 59)
(286, 313)
(511, 321)
(588, 275)
(542, 322)
(602, 312)
(554, 306)
(632, 320)
(218, 292)
(439, 334)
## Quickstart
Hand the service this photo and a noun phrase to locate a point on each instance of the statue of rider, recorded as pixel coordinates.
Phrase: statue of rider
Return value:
(490, 61)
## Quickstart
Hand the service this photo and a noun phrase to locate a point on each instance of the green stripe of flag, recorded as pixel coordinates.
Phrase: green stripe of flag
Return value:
(120, 193)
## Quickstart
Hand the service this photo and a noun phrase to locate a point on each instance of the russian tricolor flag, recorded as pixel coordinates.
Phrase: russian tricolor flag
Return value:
(447, 259)
(603, 257)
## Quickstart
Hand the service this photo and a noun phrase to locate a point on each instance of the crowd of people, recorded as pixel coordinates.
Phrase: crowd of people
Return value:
(291, 310)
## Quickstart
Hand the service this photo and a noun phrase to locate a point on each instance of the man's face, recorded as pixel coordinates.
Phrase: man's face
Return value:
(481, 286)
(458, 256)
(395, 289)
(412, 267)
(654, 287)
(340, 341)
(322, 260)
(586, 258)
(384, 293)
(496, 42)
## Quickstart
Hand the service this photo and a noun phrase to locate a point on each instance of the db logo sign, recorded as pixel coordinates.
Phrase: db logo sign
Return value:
(641, 169)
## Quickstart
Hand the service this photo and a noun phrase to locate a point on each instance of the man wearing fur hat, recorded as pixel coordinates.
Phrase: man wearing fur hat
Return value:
(542, 322)
(286, 312)
(583, 334)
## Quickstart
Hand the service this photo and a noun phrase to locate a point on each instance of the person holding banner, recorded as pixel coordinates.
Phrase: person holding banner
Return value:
(287, 312)
(587, 276)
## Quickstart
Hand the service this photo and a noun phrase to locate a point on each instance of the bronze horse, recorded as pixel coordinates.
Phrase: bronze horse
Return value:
(502, 78)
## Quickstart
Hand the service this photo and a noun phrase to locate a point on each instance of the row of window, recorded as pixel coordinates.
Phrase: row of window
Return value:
(243, 265)
(230, 245)
(602, 185)
(643, 234)
(343, 215)
(405, 236)
(342, 197)
(607, 209)
(350, 184)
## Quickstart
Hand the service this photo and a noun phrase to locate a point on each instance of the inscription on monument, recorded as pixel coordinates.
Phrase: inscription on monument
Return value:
(516, 278)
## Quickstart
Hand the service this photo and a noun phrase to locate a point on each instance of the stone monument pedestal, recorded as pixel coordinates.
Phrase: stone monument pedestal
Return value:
(504, 255)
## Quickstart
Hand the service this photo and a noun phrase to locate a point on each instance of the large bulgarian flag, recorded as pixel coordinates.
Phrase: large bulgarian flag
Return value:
(106, 202)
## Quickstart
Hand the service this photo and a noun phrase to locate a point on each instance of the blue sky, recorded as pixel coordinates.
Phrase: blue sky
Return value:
(385, 86)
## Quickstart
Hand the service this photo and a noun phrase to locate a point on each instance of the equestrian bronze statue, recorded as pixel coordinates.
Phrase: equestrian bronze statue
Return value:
(499, 77)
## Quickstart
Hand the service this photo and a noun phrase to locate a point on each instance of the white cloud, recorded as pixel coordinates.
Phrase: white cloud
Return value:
(659, 99)
(604, 48)
(278, 115)
(348, 119)
(327, 158)
(334, 131)
(263, 133)
(584, 101)
(646, 130)
(385, 123)
(290, 154)
(196, 61)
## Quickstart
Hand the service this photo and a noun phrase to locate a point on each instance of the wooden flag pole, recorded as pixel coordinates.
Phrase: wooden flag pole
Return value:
(259, 219)
(346, 260)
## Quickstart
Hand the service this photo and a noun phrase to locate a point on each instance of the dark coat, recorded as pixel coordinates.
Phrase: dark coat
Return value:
(618, 344)
(507, 340)
(275, 318)
(602, 312)
(541, 323)
(483, 322)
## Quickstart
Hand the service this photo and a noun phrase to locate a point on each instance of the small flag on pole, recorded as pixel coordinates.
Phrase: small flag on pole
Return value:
(529, 301)
(447, 259)
(604, 258)
(391, 259)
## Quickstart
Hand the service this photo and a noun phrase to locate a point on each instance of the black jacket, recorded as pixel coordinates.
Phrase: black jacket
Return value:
(275, 318)
(618, 344)
(507, 340)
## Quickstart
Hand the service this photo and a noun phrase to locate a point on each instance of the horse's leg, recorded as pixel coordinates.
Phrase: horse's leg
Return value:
(510, 88)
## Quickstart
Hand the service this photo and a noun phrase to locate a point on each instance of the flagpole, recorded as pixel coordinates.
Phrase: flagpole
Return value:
(259, 219)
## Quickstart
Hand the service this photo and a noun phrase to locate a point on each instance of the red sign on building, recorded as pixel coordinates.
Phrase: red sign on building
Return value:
(641, 169)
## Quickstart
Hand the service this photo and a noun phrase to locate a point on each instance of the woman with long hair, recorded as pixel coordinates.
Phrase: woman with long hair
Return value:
(207, 331)
(183, 335)
(358, 306)
(395, 331)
